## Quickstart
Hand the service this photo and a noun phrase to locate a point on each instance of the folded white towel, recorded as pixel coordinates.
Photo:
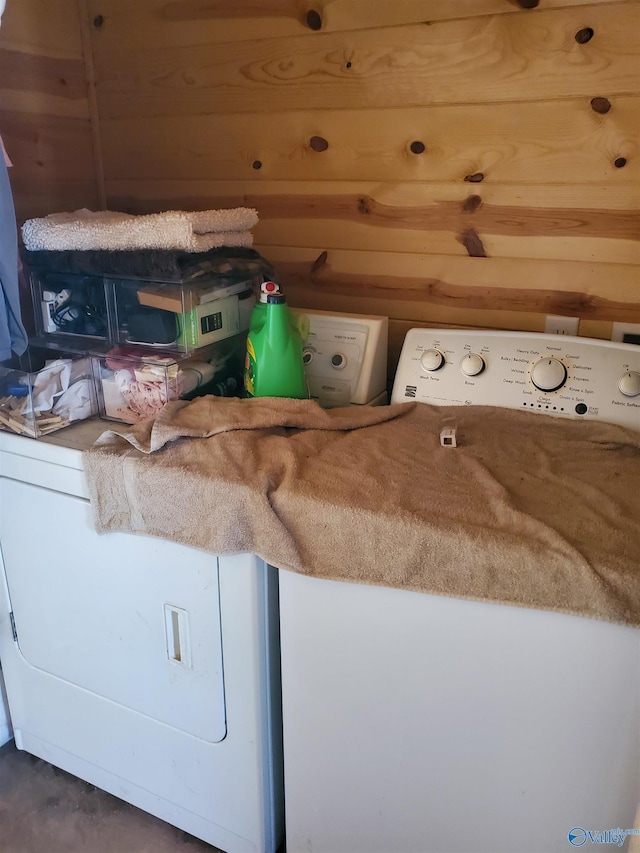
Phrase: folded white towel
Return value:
(196, 231)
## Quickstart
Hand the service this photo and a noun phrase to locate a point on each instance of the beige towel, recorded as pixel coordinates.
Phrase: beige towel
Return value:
(197, 231)
(527, 509)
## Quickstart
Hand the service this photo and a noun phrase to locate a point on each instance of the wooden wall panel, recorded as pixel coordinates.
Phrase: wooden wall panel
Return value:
(433, 287)
(47, 28)
(53, 163)
(479, 170)
(470, 163)
(540, 143)
(591, 222)
(491, 59)
(171, 23)
(44, 108)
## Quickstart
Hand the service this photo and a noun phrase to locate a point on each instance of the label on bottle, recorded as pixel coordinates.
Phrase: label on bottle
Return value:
(250, 369)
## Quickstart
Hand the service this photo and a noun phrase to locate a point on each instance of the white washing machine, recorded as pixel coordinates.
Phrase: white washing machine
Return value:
(146, 668)
(416, 723)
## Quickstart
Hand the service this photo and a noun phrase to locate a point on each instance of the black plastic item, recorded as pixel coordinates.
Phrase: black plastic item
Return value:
(152, 326)
(225, 383)
(83, 311)
(80, 318)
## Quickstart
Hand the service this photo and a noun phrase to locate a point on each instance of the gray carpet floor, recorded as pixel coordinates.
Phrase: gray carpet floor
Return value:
(45, 810)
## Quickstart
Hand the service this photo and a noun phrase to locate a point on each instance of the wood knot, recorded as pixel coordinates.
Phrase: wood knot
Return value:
(98, 21)
(319, 262)
(318, 143)
(257, 164)
(314, 20)
(472, 203)
(600, 105)
(470, 239)
(418, 147)
(620, 162)
(476, 178)
(363, 205)
(527, 4)
(584, 35)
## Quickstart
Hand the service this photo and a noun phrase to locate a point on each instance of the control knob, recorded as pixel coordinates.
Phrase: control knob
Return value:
(338, 360)
(629, 383)
(548, 374)
(432, 359)
(472, 364)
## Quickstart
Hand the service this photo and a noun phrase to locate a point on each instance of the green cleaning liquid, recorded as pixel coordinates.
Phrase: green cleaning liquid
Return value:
(259, 312)
(273, 365)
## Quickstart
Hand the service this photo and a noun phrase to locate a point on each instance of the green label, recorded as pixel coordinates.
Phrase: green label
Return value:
(250, 369)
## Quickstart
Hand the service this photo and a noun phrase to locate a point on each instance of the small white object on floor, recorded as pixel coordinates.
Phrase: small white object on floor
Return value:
(448, 437)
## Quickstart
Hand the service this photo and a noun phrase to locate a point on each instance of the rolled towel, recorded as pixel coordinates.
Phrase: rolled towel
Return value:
(87, 230)
(231, 219)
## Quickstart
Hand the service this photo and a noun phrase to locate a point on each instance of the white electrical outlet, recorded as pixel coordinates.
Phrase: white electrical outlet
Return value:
(627, 332)
(558, 325)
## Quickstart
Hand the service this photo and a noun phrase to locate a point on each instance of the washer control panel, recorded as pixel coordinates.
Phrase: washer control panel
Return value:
(561, 375)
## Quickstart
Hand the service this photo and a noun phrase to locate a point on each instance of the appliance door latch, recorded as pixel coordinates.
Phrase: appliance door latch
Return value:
(13, 627)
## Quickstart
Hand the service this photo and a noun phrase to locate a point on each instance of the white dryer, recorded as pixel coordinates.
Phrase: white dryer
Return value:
(146, 668)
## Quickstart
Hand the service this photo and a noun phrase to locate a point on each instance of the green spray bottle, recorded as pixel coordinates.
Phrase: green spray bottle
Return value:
(257, 318)
(258, 314)
(273, 365)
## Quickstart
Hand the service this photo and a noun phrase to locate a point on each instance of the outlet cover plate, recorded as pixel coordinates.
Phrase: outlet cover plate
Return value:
(627, 332)
(555, 324)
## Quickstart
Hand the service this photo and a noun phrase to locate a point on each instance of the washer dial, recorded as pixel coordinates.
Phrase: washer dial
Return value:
(472, 364)
(629, 383)
(548, 374)
(432, 359)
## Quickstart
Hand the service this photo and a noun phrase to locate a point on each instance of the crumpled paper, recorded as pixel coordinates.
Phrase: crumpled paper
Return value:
(62, 386)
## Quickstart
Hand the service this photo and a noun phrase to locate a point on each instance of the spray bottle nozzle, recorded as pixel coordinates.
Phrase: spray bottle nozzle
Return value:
(267, 288)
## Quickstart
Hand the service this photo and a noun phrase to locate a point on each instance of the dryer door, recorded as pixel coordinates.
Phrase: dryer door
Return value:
(133, 619)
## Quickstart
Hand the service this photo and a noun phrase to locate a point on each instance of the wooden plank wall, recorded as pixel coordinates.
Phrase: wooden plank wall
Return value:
(45, 107)
(461, 163)
(469, 163)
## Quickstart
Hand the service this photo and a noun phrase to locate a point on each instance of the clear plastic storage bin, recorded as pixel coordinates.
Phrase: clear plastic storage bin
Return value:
(70, 309)
(81, 311)
(177, 316)
(43, 391)
(133, 383)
